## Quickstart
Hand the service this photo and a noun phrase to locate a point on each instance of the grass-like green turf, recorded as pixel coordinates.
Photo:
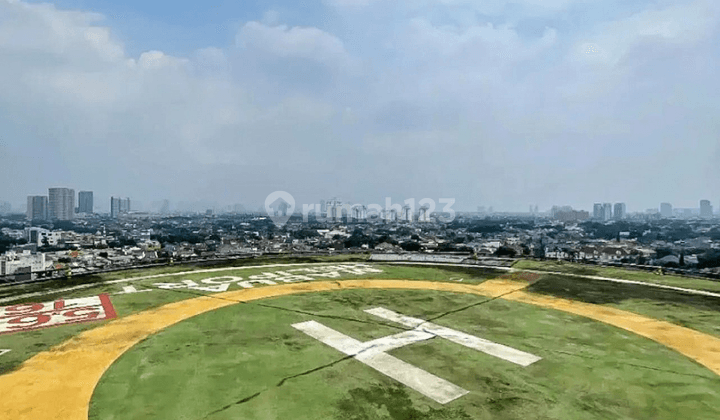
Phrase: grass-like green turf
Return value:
(247, 362)
(26, 344)
(698, 312)
(231, 363)
(619, 273)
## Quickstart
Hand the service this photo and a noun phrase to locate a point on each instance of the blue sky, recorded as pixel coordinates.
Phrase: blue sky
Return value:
(180, 27)
(490, 102)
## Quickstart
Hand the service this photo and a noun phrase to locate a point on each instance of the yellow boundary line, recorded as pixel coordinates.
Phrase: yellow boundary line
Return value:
(59, 383)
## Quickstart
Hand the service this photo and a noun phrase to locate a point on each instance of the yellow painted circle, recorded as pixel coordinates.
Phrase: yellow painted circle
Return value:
(59, 383)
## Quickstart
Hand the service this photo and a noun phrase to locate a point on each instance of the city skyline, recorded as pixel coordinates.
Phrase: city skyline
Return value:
(164, 205)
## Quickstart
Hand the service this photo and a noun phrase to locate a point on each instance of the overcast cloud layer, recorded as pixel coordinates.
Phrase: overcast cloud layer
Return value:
(538, 102)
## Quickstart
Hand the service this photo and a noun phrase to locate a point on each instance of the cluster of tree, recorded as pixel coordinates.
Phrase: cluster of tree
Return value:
(449, 247)
(358, 239)
(411, 246)
(404, 231)
(506, 251)
(7, 242)
(305, 233)
(714, 234)
(121, 242)
(486, 226)
(11, 225)
(662, 252)
(74, 227)
(460, 239)
(178, 236)
(709, 259)
(678, 234)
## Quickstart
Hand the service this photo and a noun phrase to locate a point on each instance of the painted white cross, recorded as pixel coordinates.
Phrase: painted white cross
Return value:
(373, 353)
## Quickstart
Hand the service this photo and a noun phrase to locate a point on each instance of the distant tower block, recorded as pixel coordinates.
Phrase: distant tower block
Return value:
(619, 211)
(607, 211)
(424, 215)
(666, 210)
(85, 202)
(359, 212)
(333, 209)
(706, 210)
(388, 215)
(61, 203)
(37, 208)
(406, 215)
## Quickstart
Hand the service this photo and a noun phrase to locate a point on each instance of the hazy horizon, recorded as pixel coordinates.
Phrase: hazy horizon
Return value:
(201, 206)
(543, 103)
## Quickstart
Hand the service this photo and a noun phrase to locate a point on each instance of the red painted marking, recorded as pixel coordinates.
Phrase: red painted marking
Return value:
(59, 304)
(29, 317)
(108, 306)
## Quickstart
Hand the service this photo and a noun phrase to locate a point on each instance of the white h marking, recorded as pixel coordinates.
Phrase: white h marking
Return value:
(373, 353)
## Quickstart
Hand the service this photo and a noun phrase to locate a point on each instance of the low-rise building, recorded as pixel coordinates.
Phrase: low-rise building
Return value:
(24, 262)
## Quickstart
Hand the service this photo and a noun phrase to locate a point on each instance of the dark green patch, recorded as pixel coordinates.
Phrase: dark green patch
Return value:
(605, 292)
(392, 403)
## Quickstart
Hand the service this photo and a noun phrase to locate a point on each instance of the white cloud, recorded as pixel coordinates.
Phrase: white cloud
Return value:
(490, 7)
(70, 96)
(678, 25)
(155, 60)
(352, 3)
(292, 107)
(479, 45)
(41, 28)
(292, 42)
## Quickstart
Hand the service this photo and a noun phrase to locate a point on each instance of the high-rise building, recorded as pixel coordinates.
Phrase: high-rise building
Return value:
(607, 209)
(165, 208)
(566, 214)
(598, 211)
(666, 210)
(61, 203)
(37, 207)
(5, 207)
(706, 210)
(119, 206)
(424, 214)
(619, 211)
(85, 202)
(114, 207)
